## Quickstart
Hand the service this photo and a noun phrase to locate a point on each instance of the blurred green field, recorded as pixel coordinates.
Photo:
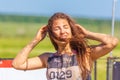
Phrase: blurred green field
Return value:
(15, 35)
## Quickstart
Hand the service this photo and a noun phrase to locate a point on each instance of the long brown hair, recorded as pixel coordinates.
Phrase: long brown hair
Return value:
(77, 43)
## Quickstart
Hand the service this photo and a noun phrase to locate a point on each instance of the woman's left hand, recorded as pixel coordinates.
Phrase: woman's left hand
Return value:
(82, 30)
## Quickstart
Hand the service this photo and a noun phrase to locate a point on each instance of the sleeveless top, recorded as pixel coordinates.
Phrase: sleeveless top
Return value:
(63, 67)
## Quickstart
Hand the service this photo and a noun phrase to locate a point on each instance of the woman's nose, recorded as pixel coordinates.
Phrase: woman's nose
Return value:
(62, 30)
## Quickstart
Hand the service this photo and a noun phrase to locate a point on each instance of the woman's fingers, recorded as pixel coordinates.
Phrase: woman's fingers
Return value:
(42, 33)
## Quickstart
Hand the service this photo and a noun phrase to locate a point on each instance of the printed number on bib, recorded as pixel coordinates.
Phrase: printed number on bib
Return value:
(61, 75)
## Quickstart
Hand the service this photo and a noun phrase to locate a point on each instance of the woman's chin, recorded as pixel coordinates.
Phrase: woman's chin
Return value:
(64, 40)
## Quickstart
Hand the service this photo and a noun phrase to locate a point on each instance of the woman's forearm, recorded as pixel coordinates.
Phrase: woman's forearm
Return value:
(103, 38)
(22, 56)
(106, 40)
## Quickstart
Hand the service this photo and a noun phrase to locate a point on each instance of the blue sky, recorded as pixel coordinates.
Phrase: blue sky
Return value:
(81, 8)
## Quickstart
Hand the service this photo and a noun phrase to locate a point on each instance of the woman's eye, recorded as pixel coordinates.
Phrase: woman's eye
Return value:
(66, 27)
(56, 29)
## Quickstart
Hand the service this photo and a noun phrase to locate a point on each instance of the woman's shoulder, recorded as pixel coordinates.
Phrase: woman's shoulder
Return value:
(44, 57)
(46, 54)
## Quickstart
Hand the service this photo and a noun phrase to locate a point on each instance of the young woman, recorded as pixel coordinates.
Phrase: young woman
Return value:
(73, 58)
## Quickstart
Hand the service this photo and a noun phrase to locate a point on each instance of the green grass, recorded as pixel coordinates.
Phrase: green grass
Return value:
(14, 36)
(14, 29)
(10, 47)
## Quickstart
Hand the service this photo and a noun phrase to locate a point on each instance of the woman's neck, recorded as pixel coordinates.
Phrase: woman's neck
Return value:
(64, 49)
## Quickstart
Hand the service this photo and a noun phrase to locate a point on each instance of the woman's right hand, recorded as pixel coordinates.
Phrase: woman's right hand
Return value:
(41, 33)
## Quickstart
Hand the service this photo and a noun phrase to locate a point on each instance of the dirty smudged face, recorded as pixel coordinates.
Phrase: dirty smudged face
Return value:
(61, 30)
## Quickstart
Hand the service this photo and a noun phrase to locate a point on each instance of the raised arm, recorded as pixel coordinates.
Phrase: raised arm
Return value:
(21, 61)
(107, 43)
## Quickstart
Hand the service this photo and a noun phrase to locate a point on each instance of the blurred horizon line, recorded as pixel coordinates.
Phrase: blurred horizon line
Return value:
(48, 15)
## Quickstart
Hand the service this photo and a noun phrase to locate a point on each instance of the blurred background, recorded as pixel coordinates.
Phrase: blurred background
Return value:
(20, 20)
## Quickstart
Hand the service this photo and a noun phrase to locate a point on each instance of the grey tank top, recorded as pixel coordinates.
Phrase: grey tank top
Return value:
(63, 67)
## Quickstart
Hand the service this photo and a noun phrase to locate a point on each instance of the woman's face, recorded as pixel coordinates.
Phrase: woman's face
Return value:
(61, 30)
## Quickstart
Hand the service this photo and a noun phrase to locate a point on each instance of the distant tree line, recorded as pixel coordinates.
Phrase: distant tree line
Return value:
(44, 19)
(21, 18)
